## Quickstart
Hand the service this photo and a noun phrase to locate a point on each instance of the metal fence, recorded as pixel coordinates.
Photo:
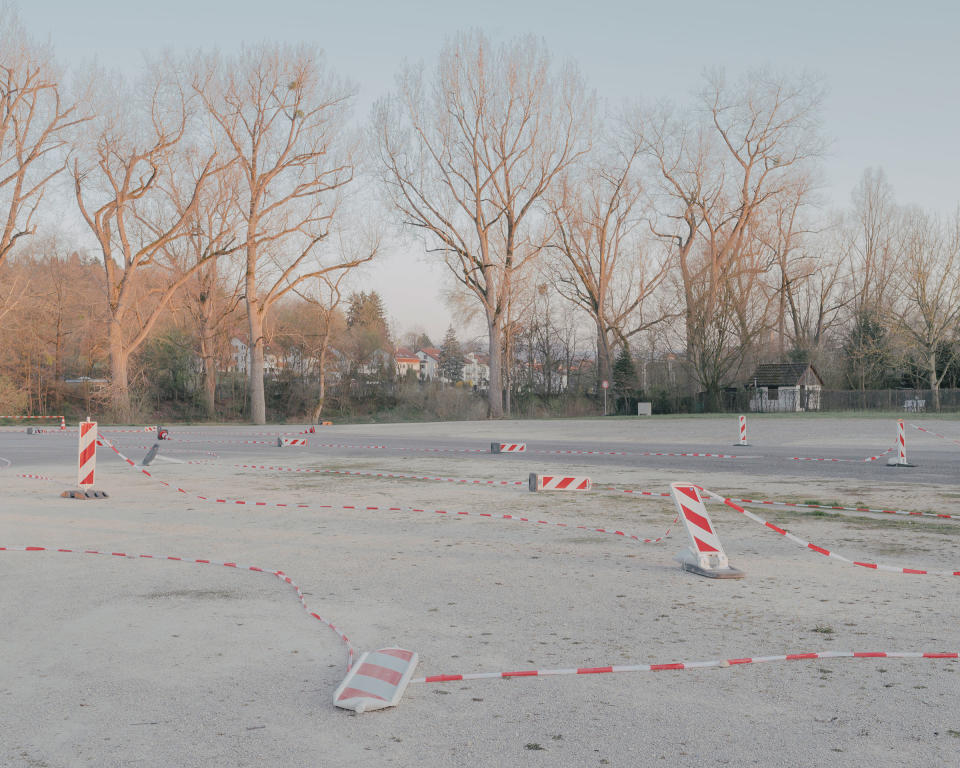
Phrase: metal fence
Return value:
(835, 400)
(907, 400)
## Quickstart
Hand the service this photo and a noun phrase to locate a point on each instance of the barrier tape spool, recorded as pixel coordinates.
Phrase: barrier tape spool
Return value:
(351, 651)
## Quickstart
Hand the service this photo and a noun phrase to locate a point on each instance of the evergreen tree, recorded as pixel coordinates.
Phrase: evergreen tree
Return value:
(367, 344)
(867, 352)
(451, 357)
(624, 378)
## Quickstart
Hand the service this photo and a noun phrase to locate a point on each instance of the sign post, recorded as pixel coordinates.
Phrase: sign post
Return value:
(606, 385)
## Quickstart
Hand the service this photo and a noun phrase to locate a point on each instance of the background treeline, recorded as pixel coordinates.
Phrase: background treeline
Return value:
(192, 242)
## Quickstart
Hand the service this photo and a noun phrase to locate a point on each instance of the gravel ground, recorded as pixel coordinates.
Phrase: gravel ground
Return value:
(109, 661)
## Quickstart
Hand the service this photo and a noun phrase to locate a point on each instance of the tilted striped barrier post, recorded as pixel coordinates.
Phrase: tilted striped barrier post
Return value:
(705, 557)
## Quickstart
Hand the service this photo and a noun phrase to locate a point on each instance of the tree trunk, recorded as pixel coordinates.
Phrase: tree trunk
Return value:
(209, 373)
(258, 405)
(934, 385)
(604, 364)
(318, 410)
(495, 390)
(119, 386)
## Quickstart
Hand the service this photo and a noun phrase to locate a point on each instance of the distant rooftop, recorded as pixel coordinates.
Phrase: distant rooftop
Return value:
(784, 375)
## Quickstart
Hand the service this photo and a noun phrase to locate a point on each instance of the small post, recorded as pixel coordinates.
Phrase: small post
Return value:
(742, 439)
(901, 458)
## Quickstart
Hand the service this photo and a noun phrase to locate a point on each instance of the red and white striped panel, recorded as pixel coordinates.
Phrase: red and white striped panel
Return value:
(558, 483)
(377, 680)
(149, 429)
(508, 447)
(694, 514)
(901, 443)
(285, 441)
(88, 453)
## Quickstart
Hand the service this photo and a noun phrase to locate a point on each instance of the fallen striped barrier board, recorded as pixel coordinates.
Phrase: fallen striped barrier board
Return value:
(705, 557)
(284, 441)
(508, 447)
(377, 680)
(558, 483)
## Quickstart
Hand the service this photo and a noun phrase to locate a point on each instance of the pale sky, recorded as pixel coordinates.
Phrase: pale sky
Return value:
(892, 70)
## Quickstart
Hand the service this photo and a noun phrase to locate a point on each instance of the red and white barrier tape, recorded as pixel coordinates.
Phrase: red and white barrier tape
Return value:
(222, 442)
(879, 455)
(33, 477)
(679, 665)
(26, 418)
(846, 461)
(614, 489)
(818, 458)
(476, 450)
(450, 513)
(351, 652)
(640, 453)
(936, 434)
(393, 475)
(826, 552)
(834, 508)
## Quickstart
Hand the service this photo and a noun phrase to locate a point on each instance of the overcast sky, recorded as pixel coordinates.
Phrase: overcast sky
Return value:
(892, 70)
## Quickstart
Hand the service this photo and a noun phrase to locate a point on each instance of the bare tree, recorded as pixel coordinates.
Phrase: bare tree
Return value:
(283, 115)
(928, 310)
(123, 189)
(718, 177)
(327, 299)
(872, 246)
(36, 127)
(605, 268)
(814, 290)
(214, 292)
(468, 154)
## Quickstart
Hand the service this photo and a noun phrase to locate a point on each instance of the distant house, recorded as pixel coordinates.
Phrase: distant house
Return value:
(476, 370)
(240, 356)
(429, 364)
(405, 361)
(780, 387)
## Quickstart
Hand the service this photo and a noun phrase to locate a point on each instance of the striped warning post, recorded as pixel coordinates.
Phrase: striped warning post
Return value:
(508, 447)
(705, 557)
(286, 441)
(558, 483)
(901, 458)
(88, 454)
(742, 431)
(377, 680)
